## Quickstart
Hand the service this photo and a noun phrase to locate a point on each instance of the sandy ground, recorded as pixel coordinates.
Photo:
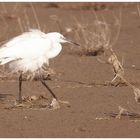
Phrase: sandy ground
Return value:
(79, 79)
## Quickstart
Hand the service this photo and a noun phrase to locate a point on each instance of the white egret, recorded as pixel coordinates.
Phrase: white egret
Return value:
(29, 51)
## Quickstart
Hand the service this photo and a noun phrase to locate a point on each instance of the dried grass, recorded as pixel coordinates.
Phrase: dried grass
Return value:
(20, 25)
(96, 37)
(124, 113)
(119, 73)
(58, 23)
(35, 16)
(121, 111)
(136, 90)
(117, 67)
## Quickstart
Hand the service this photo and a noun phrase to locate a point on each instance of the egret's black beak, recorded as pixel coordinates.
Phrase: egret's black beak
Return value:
(71, 42)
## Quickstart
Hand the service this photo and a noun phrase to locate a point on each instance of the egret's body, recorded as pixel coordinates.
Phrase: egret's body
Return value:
(29, 51)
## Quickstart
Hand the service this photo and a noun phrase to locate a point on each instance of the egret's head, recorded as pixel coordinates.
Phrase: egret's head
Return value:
(59, 38)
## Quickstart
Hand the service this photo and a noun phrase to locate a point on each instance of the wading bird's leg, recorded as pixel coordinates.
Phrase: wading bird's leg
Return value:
(20, 100)
(54, 104)
(20, 88)
(52, 93)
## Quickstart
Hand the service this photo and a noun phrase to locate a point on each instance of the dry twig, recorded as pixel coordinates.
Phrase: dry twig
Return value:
(117, 66)
(35, 16)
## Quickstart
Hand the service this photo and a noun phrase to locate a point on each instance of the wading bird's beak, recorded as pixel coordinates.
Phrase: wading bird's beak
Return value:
(71, 42)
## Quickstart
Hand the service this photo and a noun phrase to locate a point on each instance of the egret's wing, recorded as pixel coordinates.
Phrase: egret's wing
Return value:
(33, 33)
(28, 45)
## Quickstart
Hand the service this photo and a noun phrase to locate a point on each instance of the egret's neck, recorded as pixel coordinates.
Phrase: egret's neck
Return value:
(55, 50)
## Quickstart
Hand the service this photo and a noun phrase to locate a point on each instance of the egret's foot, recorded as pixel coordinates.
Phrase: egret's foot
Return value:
(64, 102)
(26, 103)
(30, 98)
(54, 104)
(23, 105)
(20, 105)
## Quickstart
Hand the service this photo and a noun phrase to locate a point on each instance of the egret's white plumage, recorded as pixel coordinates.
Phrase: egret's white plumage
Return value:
(30, 50)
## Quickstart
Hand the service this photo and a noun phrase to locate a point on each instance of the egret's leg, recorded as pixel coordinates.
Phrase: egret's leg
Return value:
(52, 93)
(54, 104)
(20, 88)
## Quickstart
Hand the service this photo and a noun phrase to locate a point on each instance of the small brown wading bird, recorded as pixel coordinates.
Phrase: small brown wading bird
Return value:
(29, 51)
